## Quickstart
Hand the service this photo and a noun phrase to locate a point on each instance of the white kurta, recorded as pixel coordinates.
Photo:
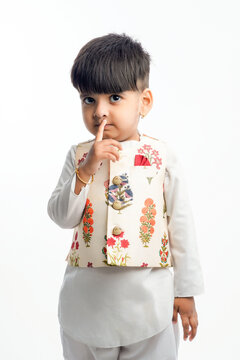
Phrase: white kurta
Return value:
(117, 306)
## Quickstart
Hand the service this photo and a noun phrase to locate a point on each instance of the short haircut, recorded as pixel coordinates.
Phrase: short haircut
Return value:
(111, 63)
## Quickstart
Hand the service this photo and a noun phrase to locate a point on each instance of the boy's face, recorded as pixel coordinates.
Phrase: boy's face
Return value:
(121, 110)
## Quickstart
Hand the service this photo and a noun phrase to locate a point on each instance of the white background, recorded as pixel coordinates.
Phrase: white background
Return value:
(195, 82)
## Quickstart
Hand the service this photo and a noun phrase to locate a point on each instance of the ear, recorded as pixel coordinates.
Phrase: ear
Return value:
(146, 101)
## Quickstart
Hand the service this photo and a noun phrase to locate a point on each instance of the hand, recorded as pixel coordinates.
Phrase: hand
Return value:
(186, 308)
(101, 149)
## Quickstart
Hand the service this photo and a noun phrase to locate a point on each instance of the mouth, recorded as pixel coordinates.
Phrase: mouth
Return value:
(106, 126)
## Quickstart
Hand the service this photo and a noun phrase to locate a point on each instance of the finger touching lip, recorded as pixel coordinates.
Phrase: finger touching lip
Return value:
(104, 125)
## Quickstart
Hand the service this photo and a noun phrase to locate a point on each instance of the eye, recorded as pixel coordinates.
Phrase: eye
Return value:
(88, 98)
(115, 97)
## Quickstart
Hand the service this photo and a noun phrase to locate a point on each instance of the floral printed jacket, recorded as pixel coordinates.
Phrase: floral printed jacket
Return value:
(125, 217)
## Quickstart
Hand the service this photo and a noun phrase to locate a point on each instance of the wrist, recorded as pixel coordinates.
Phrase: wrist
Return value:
(84, 171)
(83, 176)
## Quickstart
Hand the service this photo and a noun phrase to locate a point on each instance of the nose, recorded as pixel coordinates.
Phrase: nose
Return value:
(101, 109)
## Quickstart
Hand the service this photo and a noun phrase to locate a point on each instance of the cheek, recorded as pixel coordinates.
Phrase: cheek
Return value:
(87, 118)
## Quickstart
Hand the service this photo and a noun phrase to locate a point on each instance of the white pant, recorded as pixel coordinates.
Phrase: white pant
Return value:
(162, 346)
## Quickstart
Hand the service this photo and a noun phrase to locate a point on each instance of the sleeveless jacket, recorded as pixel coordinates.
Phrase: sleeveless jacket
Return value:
(124, 222)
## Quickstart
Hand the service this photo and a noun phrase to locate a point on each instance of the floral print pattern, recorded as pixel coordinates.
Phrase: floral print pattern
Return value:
(104, 252)
(151, 154)
(147, 221)
(118, 254)
(73, 257)
(87, 223)
(163, 252)
(82, 158)
(151, 234)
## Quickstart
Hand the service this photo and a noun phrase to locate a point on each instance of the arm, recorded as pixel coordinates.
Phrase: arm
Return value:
(188, 278)
(67, 202)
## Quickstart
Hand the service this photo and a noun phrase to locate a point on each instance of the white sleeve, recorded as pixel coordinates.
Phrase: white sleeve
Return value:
(65, 207)
(188, 277)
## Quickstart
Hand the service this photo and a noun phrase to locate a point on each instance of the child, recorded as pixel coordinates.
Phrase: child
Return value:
(124, 194)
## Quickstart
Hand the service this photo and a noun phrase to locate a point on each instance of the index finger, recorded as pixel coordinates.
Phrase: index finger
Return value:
(99, 135)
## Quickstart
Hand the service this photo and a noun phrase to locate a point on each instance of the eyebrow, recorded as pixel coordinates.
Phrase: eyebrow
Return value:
(85, 94)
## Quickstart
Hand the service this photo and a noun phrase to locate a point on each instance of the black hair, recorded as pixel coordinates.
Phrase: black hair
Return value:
(111, 63)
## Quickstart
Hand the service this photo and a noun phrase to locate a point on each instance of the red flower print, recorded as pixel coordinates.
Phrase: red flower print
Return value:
(82, 159)
(164, 242)
(76, 235)
(148, 202)
(158, 162)
(77, 245)
(163, 251)
(153, 211)
(90, 210)
(90, 229)
(144, 228)
(147, 221)
(124, 243)
(147, 147)
(144, 264)
(155, 153)
(89, 264)
(111, 241)
(87, 223)
(72, 247)
(151, 155)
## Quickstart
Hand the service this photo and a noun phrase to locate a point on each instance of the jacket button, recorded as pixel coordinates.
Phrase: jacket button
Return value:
(116, 180)
(116, 230)
(117, 205)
